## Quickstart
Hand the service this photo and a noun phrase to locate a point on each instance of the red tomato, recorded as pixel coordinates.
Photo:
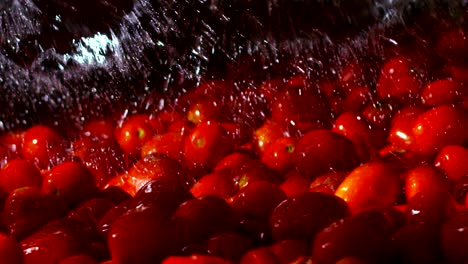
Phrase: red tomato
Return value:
(399, 79)
(354, 128)
(372, 185)
(28, 209)
(141, 236)
(266, 135)
(42, 146)
(439, 127)
(303, 216)
(71, 181)
(49, 248)
(401, 130)
(150, 168)
(134, 131)
(295, 184)
(321, 151)
(328, 183)
(203, 111)
(445, 91)
(357, 99)
(207, 144)
(19, 173)
(424, 178)
(279, 155)
(232, 161)
(453, 161)
(170, 144)
(299, 102)
(217, 183)
(365, 235)
(199, 219)
(12, 141)
(258, 199)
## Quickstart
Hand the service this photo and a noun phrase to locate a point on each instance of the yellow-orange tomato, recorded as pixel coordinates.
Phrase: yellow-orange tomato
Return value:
(424, 178)
(372, 185)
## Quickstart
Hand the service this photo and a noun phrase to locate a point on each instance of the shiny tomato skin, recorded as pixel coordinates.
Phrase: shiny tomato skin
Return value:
(165, 194)
(399, 79)
(111, 215)
(19, 173)
(403, 158)
(27, 209)
(379, 114)
(452, 160)
(232, 161)
(278, 156)
(199, 219)
(431, 208)
(401, 129)
(321, 151)
(439, 127)
(141, 236)
(252, 171)
(42, 146)
(265, 135)
(440, 92)
(134, 131)
(71, 181)
(49, 248)
(149, 168)
(207, 144)
(217, 183)
(303, 216)
(258, 200)
(356, 129)
(328, 183)
(203, 111)
(170, 144)
(364, 235)
(372, 185)
(424, 178)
